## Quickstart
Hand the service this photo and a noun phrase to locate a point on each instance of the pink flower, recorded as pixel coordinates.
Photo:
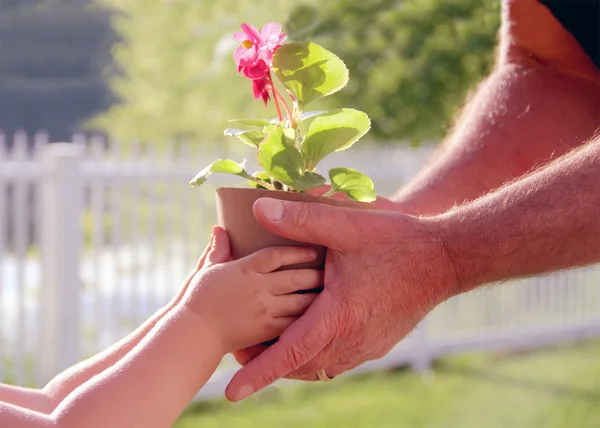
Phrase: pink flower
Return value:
(254, 56)
(273, 39)
(262, 88)
(255, 44)
(249, 50)
(256, 71)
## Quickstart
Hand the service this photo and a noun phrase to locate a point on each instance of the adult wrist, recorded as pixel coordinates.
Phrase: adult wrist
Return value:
(460, 239)
(428, 270)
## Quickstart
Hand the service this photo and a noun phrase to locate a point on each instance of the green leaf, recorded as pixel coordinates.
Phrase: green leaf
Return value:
(353, 183)
(284, 163)
(309, 180)
(224, 166)
(309, 71)
(311, 114)
(252, 138)
(252, 122)
(333, 131)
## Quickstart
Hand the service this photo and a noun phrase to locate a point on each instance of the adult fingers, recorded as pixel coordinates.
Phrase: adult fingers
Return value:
(319, 224)
(292, 304)
(290, 281)
(273, 258)
(297, 345)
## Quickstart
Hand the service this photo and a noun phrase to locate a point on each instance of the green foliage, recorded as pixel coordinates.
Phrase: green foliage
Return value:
(336, 130)
(176, 77)
(290, 148)
(411, 62)
(223, 166)
(283, 162)
(353, 183)
(309, 71)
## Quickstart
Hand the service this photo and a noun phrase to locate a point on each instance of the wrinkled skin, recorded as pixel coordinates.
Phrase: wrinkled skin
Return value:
(384, 272)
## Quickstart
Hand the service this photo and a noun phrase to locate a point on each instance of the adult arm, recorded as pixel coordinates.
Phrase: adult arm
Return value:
(541, 100)
(47, 399)
(544, 222)
(385, 271)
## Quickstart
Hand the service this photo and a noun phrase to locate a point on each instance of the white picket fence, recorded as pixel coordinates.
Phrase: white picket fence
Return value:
(93, 240)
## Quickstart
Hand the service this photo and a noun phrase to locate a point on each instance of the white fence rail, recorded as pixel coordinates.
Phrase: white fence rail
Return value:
(92, 241)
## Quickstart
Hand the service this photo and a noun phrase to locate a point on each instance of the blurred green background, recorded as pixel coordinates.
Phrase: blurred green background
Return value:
(163, 69)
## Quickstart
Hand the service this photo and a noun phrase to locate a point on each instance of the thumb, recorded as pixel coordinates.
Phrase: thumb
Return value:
(298, 345)
(313, 223)
(220, 251)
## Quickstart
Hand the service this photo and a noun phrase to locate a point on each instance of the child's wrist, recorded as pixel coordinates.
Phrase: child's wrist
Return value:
(210, 334)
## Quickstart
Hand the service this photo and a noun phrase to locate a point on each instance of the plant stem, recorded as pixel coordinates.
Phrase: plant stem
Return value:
(287, 108)
(332, 190)
(257, 181)
(276, 102)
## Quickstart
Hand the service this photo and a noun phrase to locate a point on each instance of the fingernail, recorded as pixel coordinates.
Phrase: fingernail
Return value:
(272, 209)
(245, 392)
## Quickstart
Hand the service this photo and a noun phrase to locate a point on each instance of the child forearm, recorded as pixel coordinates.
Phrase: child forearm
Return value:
(47, 399)
(179, 351)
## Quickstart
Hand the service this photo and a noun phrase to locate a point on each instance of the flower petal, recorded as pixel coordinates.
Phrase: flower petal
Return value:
(257, 70)
(252, 33)
(271, 30)
(240, 37)
(246, 57)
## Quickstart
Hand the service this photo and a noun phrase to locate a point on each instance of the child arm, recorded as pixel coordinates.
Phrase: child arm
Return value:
(47, 399)
(227, 306)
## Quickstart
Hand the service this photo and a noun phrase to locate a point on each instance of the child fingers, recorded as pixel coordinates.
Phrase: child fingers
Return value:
(290, 281)
(271, 259)
(293, 304)
(277, 326)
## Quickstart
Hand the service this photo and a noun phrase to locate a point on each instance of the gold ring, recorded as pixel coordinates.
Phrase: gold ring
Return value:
(323, 376)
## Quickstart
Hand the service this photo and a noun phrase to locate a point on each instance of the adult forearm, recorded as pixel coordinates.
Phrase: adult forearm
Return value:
(522, 117)
(543, 222)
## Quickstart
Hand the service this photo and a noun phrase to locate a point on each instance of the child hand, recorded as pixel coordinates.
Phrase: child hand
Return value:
(245, 301)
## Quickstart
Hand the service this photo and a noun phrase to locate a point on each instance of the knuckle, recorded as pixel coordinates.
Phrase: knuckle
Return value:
(303, 215)
(294, 356)
(295, 279)
(273, 257)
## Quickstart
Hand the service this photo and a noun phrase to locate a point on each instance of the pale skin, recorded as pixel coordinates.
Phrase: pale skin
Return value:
(148, 379)
(513, 191)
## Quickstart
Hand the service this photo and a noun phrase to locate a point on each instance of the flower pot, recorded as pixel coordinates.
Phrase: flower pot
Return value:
(235, 215)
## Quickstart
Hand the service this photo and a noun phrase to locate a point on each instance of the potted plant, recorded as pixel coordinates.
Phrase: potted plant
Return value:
(289, 147)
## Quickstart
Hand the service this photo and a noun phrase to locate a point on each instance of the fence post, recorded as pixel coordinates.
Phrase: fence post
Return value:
(60, 238)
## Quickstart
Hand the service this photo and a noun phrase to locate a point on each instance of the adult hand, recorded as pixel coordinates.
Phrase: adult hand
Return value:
(384, 272)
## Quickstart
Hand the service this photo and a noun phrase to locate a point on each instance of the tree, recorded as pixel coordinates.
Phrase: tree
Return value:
(174, 73)
(411, 62)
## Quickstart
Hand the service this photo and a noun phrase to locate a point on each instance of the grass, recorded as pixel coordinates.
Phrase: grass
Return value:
(553, 388)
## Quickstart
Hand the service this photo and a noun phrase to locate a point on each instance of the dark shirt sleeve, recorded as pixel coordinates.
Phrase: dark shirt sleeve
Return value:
(582, 19)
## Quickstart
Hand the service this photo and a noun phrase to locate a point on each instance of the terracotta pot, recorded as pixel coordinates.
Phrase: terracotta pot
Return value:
(235, 215)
